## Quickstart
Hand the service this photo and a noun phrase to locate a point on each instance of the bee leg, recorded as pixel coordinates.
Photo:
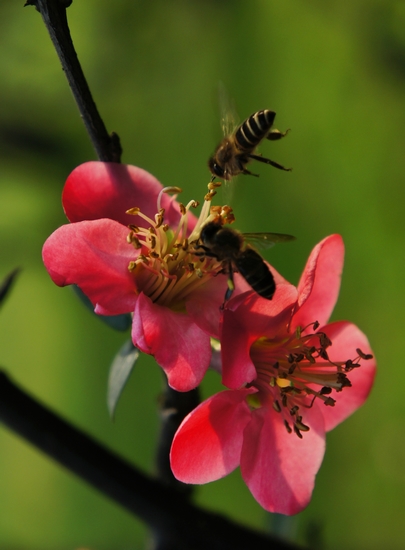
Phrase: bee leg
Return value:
(273, 135)
(204, 251)
(231, 284)
(229, 291)
(200, 250)
(268, 161)
(248, 173)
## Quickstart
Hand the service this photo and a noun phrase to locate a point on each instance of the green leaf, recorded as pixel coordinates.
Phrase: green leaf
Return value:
(120, 370)
(7, 283)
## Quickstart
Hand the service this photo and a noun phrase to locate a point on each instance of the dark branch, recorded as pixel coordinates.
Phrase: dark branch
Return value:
(107, 147)
(175, 406)
(163, 508)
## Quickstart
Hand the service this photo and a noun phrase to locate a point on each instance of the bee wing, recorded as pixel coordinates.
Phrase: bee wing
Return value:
(229, 122)
(229, 116)
(266, 240)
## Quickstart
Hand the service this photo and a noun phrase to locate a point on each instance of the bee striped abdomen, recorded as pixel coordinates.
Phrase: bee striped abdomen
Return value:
(254, 129)
(256, 273)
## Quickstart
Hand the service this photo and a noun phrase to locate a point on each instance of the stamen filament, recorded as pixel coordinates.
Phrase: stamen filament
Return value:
(296, 370)
(167, 268)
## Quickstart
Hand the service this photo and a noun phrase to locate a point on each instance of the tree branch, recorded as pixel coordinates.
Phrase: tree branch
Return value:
(174, 407)
(107, 147)
(164, 509)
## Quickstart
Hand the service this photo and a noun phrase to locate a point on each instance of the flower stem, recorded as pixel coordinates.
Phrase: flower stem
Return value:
(53, 12)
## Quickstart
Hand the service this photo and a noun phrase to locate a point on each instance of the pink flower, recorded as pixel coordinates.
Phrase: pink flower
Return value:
(292, 378)
(128, 249)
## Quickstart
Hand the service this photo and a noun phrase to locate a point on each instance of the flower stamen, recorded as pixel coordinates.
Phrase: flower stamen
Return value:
(167, 269)
(289, 371)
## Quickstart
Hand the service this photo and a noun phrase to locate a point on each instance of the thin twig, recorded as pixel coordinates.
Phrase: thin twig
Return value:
(107, 147)
(163, 509)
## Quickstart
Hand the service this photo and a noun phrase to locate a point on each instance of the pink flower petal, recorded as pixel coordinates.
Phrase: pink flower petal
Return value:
(107, 190)
(319, 285)
(94, 255)
(278, 467)
(346, 338)
(261, 317)
(237, 366)
(204, 305)
(207, 444)
(253, 317)
(179, 346)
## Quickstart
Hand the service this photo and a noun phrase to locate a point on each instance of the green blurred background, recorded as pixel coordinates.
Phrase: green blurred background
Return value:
(335, 74)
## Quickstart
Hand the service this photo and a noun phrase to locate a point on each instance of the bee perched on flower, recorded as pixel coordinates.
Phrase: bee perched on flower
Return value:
(129, 248)
(291, 377)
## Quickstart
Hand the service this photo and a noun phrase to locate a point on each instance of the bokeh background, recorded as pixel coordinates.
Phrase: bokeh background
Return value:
(335, 74)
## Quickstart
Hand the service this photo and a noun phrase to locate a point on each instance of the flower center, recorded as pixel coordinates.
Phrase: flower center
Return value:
(293, 372)
(166, 268)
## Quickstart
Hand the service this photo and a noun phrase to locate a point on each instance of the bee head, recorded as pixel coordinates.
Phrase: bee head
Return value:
(209, 231)
(215, 168)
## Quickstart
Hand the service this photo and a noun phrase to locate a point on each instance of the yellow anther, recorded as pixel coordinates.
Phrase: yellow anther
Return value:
(133, 211)
(283, 382)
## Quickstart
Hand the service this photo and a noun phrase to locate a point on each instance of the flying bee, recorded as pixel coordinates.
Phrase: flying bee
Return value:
(230, 247)
(237, 148)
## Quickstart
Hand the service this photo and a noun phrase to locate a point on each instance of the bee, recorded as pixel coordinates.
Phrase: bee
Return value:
(237, 148)
(230, 247)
